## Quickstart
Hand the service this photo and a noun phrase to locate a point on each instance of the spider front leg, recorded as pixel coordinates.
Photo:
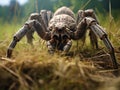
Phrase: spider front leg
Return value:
(37, 24)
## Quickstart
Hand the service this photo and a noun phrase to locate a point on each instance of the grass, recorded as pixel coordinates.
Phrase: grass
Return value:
(34, 69)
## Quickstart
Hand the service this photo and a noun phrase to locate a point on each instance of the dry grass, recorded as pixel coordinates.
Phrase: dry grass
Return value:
(57, 73)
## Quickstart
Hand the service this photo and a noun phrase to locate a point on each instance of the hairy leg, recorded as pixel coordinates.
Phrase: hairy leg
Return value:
(34, 23)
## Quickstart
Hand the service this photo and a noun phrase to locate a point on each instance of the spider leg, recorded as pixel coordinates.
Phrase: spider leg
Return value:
(35, 22)
(46, 16)
(89, 22)
(80, 16)
(98, 30)
(93, 40)
(29, 36)
(17, 37)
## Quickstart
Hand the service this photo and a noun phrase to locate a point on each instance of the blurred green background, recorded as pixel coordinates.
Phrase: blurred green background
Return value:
(20, 13)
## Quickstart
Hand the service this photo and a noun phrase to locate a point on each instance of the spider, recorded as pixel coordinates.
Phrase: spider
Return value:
(60, 28)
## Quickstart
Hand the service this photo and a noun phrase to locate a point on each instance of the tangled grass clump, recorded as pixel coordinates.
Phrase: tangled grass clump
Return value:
(38, 72)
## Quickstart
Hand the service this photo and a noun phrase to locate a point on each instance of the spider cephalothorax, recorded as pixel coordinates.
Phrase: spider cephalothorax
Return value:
(60, 28)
